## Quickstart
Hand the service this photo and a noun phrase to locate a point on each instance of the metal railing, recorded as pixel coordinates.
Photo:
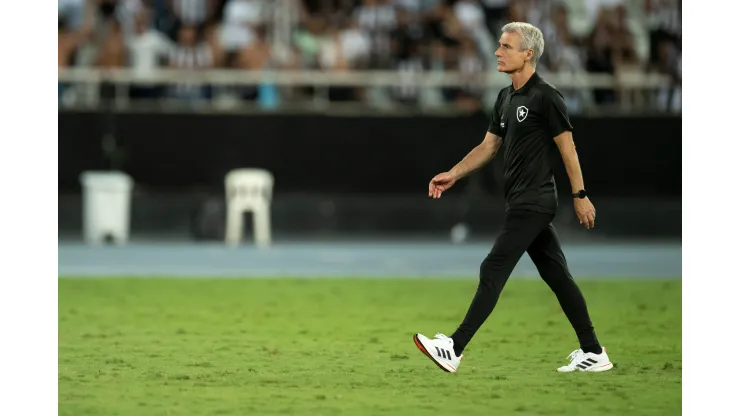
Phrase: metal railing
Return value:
(91, 79)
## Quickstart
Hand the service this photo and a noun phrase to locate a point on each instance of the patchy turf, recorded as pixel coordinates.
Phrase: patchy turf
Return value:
(344, 346)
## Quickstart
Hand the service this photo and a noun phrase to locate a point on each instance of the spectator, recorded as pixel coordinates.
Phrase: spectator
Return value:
(190, 53)
(193, 12)
(404, 33)
(623, 41)
(112, 53)
(472, 19)
(472, 68)
(377, 18)
(72, 12)
(669, 63)
(212, 39)
(470, 14)
(67, 41)
(99, 25)
(664, 26)
(127, 12)
(409, 64)
(440, 60)
(600, 55)
(564, 51)
(309, 39)
(349, 48)
(417, 12)
(257, 55)
(147, 50)
(412, 37)
(516, 12)
(240, 19)
(451, 30)
(564, 55)
(495, 11)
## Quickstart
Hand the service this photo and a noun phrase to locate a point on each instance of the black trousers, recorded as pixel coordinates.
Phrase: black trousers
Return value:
(531, 232)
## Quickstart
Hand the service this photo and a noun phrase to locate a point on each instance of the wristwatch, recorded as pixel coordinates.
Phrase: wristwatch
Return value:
(580, 194)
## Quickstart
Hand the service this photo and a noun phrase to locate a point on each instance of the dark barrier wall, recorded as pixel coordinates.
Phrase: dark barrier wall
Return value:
(638, 156)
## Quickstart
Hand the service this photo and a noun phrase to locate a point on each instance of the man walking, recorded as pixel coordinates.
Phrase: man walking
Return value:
(530, 124)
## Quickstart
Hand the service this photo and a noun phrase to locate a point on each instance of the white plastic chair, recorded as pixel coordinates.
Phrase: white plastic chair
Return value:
(248, 190)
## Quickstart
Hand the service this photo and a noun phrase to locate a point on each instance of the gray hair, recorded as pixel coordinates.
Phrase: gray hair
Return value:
(531, 39)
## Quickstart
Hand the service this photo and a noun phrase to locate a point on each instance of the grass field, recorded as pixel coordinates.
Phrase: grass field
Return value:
(344, 346)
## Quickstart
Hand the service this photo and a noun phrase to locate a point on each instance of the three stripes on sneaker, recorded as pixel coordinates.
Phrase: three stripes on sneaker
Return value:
(443, 353)
(586, 363)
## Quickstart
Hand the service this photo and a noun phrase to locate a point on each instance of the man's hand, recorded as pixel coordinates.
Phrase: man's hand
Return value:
(441, 183)
(479, 156)
(585, 212)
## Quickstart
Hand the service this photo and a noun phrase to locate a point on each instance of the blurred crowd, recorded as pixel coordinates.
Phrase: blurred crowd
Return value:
(408, 36)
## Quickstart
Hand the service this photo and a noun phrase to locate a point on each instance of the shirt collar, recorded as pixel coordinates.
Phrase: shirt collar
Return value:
(532, 80)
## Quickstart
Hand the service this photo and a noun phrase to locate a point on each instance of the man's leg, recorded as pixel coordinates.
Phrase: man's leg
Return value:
(519, 230)
(547, 255)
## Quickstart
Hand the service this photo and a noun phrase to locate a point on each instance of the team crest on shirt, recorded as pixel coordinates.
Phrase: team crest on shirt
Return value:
(521, 113)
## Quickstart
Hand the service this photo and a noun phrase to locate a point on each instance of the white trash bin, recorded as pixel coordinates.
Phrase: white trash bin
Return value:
(106, 206)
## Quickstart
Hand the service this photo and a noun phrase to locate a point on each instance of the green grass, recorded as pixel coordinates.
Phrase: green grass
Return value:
(341, 346)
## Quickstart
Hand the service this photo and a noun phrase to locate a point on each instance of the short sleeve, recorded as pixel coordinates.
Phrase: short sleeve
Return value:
(556, 112)
(494, 125)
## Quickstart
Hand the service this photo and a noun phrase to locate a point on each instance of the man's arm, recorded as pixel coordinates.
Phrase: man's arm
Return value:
(484, 152)
(585, 210)
(562, 131)
(478, 157)
(570, 158)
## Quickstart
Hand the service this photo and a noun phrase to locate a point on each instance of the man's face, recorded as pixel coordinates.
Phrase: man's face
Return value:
(510, 57)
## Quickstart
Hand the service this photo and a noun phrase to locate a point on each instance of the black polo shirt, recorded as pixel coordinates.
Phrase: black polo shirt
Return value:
(528, 119)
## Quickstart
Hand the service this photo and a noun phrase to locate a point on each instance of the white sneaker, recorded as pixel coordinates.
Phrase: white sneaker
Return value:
(587, 361)
(439, 350)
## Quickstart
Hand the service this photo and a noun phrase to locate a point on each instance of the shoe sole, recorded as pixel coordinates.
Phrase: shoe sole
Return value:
(605, 367)
(421, 348)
